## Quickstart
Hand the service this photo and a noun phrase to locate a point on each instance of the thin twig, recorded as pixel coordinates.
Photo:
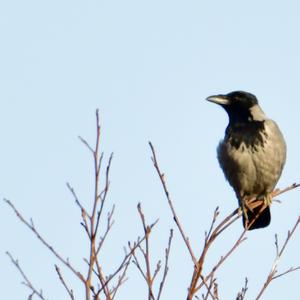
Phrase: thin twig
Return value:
(31, 226)
(241, 239)
(146, 254)
(287, 189)
(290, 270)
(241, 295)
(127, 257)
(209, 291)
(166, 265)
(103, 194)
(279, 253)
(84, 213)
(109, 225)
(122, 278)
(179, 225)
(208, 242)
(61, 278)
(216, 214)
(26, 282)
(94, 217)
(213, 232)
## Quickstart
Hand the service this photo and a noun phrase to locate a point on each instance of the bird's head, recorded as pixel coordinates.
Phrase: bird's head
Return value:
(240, 106)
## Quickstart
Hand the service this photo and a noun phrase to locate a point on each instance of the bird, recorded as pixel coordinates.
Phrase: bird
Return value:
(252, 155)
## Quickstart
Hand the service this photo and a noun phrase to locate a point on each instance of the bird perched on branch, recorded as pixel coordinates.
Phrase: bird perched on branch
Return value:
(252, 155)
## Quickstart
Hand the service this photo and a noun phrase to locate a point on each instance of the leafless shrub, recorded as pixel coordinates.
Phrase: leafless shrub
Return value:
(100, 284)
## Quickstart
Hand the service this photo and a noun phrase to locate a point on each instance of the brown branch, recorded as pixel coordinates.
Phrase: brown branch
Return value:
(157, 269)
(146, 254)
(137, 264)
(109, 225)
(290, 270)
(122, 278)
(241, 239)
(27, 282)
(209, 291)
(279, 253)
(147, 274)
(213, 233)
(69, 291)
(93, 233)
(241, 295)
(166, 265)
(91, 221)
(103, 194)
(126, 258)
(287, 189)
(179, 225)
(86, 144)
(84, 214)
(216, 291)
(215, 216)
(31, 226)
(208, 242)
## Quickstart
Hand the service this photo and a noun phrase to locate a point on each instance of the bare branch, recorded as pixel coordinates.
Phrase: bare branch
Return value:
(208, 234)
(94, 217)
(279, 253)
(146, 254)
(27, 282)
(31, 226)
(213, 232)
(121, 280)
(103, 194)
(216, 291)
(166, 265)
(109, 225)
(208, 242)
(84, 214)
(69, 291)
(126, 258)
(290, 270)
(241, 295)
(180, 227)
(211, 290)
(278, 192)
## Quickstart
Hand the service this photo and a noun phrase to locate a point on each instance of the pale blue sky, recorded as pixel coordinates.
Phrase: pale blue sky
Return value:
(148, 66)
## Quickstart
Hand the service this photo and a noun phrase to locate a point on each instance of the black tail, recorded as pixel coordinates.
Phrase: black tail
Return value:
(260, 221)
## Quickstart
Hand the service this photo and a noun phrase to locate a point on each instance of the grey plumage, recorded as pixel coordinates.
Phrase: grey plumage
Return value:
(251, 155)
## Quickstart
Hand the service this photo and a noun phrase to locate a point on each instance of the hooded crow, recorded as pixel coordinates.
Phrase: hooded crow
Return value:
(251, 155)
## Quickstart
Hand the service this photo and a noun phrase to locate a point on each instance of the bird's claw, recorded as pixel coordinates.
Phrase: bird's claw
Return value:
(243, 211)
(268, 199)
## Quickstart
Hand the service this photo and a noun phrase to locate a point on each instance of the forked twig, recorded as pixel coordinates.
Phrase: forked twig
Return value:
(279, 253)
(166, 265)
(26, 282)
(62, 280)
(241, 295)
(147, 274)
(31, 226)
(176, 219)
(212, 234)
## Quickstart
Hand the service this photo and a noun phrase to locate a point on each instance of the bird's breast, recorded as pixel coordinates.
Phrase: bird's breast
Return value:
(252, 158)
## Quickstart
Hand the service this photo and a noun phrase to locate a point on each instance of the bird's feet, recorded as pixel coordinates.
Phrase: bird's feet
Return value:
(243, 210)
(268, 199)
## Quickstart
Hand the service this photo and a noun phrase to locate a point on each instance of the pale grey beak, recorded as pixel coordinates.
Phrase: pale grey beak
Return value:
(219, 99)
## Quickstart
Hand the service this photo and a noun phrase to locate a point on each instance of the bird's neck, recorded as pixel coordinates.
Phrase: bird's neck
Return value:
(250, 133)
(243, 117)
